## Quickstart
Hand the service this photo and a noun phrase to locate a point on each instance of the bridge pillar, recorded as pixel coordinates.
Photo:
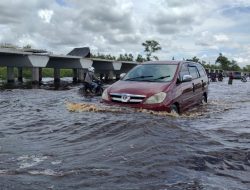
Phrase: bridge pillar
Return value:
(74, 75)
(40, 74)
(10, 75)
(80, 75)
(56, 75)
(117, 76)
(20, 74)
(35, 75)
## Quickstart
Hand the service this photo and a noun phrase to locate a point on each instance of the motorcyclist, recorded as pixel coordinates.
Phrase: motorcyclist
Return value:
(244, 78)
(91, 79)
(220, 76)
(213, 77)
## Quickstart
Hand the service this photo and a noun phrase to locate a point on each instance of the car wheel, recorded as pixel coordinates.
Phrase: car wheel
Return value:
(204, 99)
(174, 109)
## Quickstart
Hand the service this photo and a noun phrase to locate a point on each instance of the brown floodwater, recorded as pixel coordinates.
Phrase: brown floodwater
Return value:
(58, 139)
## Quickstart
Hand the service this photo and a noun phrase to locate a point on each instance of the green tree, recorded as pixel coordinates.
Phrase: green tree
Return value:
(194, 59)
(246, 68)
(224, 62)
(234, 66)
(103, 56)
(140, 58)
(125, 57)
(151, 46)
(28, 46)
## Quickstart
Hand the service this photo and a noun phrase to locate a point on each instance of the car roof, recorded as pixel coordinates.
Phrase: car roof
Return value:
(172, 62)
(162, 62)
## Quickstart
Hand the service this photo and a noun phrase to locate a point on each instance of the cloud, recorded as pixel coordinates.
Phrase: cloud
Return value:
(221, 38)
(45, 15)
(183, 28)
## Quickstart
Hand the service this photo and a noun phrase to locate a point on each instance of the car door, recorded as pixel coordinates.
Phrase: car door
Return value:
(186, 88)
(196, 83)
(203, 78)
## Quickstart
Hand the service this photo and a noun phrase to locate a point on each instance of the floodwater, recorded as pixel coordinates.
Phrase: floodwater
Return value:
(58, 139)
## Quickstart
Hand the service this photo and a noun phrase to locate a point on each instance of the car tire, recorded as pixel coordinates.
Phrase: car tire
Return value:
(174, 109)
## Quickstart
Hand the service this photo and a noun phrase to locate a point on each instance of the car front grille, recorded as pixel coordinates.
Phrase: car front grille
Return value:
(127, 98)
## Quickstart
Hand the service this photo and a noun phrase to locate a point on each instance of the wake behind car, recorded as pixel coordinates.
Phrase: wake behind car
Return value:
(160, 86)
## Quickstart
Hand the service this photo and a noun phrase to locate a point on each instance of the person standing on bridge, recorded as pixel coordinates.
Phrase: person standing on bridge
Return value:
(91, 79)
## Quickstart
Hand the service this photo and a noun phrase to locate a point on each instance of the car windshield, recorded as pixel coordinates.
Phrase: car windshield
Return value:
(151, 73)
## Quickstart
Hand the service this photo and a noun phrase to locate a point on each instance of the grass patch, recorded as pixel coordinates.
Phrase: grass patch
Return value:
(27, 73)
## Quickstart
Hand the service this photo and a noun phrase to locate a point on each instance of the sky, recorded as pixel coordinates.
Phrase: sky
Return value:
(184, 28)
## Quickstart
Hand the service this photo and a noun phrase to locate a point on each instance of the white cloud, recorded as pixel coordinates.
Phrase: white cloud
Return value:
(24, 40)
(45, 15)
(221, 38)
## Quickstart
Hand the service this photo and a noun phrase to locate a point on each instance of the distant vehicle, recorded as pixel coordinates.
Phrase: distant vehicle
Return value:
(236, 75)
(172, 86)
(244, 78)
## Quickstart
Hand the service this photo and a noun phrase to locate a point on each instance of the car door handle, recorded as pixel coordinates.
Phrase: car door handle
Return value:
(193, 87)
(203, 84)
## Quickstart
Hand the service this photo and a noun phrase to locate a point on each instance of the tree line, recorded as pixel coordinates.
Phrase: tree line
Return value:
(222, 63)
(152, 46)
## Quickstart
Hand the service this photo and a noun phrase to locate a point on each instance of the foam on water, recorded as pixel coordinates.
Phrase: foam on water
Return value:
(27, 161)
(46, 172)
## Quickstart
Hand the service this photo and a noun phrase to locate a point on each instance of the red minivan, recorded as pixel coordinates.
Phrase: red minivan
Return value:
(172, 86)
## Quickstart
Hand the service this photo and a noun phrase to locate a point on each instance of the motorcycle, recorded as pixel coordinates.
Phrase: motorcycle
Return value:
(220, 79)
(87, 89)
(213, 79)
(243, 79)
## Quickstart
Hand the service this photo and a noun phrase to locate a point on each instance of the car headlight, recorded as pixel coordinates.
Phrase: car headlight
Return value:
(105, 95)
(156, 98)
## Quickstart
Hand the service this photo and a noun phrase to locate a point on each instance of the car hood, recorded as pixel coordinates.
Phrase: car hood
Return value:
(140, 88)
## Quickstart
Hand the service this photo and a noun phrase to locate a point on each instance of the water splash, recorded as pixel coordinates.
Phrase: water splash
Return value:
(90, 107)
(213, 107)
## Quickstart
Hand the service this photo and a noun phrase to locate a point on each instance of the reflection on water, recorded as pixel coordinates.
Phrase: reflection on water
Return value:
(58, 139)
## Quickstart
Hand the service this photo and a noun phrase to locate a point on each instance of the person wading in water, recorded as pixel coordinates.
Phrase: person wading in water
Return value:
(230, 80)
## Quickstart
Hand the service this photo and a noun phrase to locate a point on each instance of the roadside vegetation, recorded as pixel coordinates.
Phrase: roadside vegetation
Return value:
(152, 46)
(27, 72)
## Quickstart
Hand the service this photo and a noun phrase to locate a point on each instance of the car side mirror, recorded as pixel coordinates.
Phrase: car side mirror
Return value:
(122, 75)
(187, 78)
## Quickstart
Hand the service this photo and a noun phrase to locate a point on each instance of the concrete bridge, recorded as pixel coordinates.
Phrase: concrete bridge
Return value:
(76, 61)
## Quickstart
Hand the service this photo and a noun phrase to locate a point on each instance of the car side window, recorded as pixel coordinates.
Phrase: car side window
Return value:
(193, 72)
(183, 71)
(201, 70)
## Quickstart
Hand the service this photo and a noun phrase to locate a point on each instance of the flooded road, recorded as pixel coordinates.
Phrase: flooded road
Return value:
(46, 142)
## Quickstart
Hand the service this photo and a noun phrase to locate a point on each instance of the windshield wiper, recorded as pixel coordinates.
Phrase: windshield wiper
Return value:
(140, 77)
(162, 77)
